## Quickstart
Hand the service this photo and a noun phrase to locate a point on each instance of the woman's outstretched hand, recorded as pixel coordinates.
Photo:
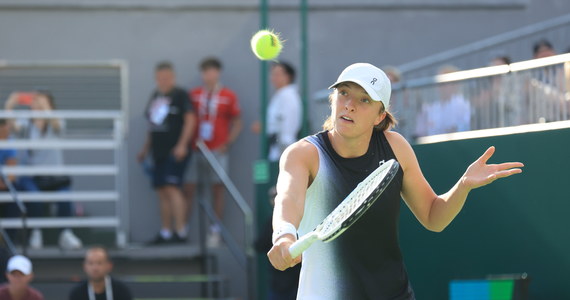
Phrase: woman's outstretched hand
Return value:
(479, 173)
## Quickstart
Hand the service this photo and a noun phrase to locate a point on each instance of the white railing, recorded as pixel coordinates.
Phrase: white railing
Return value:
(516, 44)
(110, 145)
(534, 91)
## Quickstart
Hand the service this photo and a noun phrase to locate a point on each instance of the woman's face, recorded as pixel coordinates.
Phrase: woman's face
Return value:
(40, 102)
(353, 110)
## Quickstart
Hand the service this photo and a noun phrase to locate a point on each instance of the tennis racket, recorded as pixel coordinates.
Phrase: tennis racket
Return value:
(350, 209)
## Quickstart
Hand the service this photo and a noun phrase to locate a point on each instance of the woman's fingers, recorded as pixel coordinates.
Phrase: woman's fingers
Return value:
(510, 165)
(488, 153)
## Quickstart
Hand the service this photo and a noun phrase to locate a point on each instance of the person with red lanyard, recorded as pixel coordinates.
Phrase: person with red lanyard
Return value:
(219, 124)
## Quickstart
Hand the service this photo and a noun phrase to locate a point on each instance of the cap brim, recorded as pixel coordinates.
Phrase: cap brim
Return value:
(368, 90)
(19, 269)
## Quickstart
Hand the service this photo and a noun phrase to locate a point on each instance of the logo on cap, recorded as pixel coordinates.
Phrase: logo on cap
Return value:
(373, 81)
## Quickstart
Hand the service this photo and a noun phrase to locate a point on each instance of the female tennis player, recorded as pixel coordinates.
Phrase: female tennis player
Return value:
(317, 172)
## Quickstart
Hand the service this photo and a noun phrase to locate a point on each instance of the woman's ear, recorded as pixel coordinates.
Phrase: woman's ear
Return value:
(380, 118)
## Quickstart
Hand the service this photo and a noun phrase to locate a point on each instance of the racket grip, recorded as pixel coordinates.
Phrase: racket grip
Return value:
(302, 244)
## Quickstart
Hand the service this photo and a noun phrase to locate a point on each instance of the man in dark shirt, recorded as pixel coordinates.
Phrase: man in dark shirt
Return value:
(99, 285)
(172, 122)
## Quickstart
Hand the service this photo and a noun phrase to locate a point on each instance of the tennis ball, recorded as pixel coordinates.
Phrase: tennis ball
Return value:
(266, 45)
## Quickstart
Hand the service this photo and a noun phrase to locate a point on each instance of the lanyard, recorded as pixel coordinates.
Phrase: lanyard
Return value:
(209, 105)
(108, 289)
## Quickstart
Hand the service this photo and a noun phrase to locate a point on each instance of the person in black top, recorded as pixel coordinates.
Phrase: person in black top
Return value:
(99, 284)
(316, 173)
(172, 122)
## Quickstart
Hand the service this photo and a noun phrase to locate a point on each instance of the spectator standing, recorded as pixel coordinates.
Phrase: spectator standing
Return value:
(219, 124)
(284, 112)
(19, 274)
(171, 125)
(99, 284)
(39, 130)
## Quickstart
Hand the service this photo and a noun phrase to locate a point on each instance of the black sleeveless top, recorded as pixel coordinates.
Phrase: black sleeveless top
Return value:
(368, 254)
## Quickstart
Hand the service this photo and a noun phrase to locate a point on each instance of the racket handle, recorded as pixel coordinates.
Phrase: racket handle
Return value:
(302, 244)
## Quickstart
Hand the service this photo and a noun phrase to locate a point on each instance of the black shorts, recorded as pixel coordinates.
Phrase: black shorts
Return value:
(169, 172)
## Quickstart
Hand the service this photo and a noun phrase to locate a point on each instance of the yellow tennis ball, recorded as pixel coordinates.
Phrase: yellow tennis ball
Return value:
(266, 45)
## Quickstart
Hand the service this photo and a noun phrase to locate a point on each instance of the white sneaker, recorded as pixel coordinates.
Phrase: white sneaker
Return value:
(68, 240)
(36, 239)
(214, 239)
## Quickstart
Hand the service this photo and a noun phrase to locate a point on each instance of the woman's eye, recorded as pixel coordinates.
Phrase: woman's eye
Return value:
(343, 93)
(365, 100)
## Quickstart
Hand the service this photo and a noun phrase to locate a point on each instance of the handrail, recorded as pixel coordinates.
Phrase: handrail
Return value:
(243, 206)
(484, 44)
(21, 208)
(64, 114)
(62, 170)
(59, 144)
(7, 241)
(483, 72)
(240, 201)
(46, 196)
(240, 256)
(525, 92)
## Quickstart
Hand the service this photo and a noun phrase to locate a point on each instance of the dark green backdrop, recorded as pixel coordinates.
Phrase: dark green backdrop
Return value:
(515, 225)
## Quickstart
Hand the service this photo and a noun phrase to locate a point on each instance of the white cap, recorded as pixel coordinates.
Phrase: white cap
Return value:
(19, 263)
(373, 80)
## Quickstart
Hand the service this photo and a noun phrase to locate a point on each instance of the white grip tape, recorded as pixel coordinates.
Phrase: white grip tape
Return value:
(283, 229)
(302, 244)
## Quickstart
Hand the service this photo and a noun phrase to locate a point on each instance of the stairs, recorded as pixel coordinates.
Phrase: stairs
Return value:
(152, 273)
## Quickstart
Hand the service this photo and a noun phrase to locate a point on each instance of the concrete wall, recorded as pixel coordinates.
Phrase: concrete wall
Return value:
(144, 32)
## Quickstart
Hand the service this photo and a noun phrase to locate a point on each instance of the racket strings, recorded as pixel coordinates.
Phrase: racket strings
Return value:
(353, 202)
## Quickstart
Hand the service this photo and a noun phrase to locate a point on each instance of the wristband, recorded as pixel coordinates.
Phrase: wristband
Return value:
(283, 229)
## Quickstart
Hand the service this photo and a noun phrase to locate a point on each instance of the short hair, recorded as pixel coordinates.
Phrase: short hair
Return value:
(99, 248)
(541, 43)
(164, 66)
(505, 59)
(210, 62)
(289, 70)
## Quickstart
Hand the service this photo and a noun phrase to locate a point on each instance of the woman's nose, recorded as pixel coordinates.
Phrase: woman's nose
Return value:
(349, 104)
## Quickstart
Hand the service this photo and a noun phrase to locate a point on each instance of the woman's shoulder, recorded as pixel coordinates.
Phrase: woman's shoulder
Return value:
(301, 149)
(395, 138)
(301, 154)
(400, 146)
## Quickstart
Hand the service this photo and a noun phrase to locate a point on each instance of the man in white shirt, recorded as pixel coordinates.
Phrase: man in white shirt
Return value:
(284, 113)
